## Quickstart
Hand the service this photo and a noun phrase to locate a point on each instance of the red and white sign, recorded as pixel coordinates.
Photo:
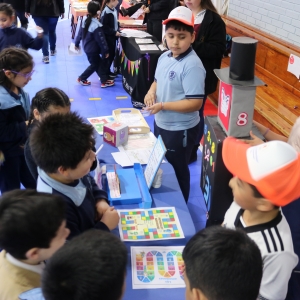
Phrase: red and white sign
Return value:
(225, 99)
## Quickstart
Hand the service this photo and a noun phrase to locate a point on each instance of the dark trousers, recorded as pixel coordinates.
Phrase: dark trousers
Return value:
(154, 27)
(49, 26)
(112, 54)
(98, 65)
(13, 172)
(294, 287)
(22, 18)
(179, 144)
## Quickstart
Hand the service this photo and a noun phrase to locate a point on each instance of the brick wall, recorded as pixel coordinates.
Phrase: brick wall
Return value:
(277, 17)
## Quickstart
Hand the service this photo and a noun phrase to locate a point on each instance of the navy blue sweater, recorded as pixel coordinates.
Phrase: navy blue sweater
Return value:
(14, 111)
(19, 37)
(82, 216)
(94, 40)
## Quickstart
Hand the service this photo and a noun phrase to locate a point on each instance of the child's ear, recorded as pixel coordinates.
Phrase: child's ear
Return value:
(8, 74)
(36, 114)
(264, 205)
(32, 254)
(193, 37)
(62, 171)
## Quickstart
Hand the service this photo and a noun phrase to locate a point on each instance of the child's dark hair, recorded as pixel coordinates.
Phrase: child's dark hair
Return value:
(93, 7)
(61, 141)
(177, 25)
(29, 219)
(15, 59)
(91, 266)
(47, 97)
(7, 9)
(224, 264)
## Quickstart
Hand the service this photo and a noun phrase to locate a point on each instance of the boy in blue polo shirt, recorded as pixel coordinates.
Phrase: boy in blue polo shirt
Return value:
(175, 97)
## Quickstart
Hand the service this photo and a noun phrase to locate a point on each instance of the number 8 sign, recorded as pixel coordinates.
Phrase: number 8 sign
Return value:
(242, 119)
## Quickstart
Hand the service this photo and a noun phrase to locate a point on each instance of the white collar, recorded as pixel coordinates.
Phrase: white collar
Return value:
(34, 268)
(200, 16)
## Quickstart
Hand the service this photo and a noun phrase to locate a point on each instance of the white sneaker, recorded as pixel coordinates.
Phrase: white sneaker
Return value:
(45, 59)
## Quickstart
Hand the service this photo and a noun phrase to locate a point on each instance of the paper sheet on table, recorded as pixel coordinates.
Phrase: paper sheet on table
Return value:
(129, 157)
(144, 41)
(138, 22)
(157, 267)
(122, 159)
(135, 33)
(139, 141)
(138, 13)
(294, 65)
(162, 47)
(148, 47)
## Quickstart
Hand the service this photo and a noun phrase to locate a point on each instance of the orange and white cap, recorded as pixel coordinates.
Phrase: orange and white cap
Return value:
(273, 168)
(181, 14)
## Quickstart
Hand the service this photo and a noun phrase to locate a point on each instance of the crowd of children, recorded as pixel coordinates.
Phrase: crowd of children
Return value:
(251, 256)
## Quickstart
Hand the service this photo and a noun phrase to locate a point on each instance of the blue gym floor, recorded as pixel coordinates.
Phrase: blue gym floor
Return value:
(62, 72)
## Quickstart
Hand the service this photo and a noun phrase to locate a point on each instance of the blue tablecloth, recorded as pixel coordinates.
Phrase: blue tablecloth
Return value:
(168, 195)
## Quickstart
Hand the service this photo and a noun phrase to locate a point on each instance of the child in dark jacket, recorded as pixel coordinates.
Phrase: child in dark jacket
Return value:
(16, 69)
(94, 44)
(46, 102)
(10, 35)
(109, 19)
(62, 147)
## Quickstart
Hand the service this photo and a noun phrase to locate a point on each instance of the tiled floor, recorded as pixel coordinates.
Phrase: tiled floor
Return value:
(62, 72)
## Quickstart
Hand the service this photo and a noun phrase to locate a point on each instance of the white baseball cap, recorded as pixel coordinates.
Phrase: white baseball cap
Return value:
(181, 14)
(273, 168)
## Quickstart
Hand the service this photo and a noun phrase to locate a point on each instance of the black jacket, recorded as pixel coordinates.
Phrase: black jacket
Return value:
(18, 37)
(37, 9)
(210, 45)
(159, 9)
(18, 5)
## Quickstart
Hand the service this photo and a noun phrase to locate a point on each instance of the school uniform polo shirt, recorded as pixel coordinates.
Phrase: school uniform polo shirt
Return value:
(177, 79)
(274, 241)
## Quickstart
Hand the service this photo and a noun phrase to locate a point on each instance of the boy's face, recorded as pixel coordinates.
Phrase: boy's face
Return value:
(82, 169)
(57, 242)
(243, 194)
(179, 41)
(192, 294)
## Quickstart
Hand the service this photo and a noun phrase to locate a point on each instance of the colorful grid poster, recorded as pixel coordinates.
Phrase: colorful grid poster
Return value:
(157, 267)
(149, 224)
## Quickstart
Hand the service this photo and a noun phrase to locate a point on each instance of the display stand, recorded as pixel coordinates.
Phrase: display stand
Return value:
(237, 91)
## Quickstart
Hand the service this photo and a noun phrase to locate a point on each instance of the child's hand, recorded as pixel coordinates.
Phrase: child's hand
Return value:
(27, 15)
(110, 218)
(146, 10)
(77, 48)
(106, 55)
(255, 140)
(150, 98)
(155, 108)
(101, 206)
(118, 33)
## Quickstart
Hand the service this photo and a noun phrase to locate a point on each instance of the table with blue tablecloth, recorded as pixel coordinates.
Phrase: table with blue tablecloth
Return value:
(168, 195)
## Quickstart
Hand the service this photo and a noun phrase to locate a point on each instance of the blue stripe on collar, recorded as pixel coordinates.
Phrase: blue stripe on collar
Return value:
(182, 55)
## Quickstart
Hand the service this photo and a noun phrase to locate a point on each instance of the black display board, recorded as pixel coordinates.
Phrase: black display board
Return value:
(214, 177)
(137, 68)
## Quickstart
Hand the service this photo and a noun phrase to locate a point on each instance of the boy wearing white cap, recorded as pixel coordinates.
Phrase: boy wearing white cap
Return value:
(265, 177)
(175, 97)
